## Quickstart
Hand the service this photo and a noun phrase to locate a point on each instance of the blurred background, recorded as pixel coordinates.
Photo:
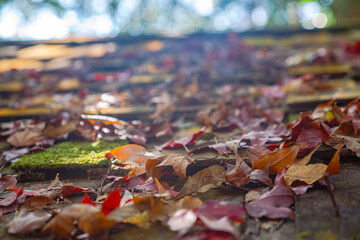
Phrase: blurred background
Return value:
(61, 19)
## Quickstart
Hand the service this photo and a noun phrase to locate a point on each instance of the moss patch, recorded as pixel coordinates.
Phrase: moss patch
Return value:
(66, 157)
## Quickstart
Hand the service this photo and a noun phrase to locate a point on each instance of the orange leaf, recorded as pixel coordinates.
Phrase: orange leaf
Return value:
(334, 165)
(277, 161)
(37, 202)
(130, 152)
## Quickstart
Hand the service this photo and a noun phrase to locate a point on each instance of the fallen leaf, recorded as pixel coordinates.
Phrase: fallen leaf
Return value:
(306, 173)
(237, 177)
(261, 176)
(37, 203)
(187, 202)
(7, 181)
(254, 152)
(87, 200)
(27, 221)
(222, 224)
(182, 221)
(123, 213)
(278, 160)
(334, 165)
(89, 219)
(111, 202)
(128, 153)
(68, 190)
(154, 206)
(183, 141)
(177, 161)
(352, 144)
(255, 193)
(220, 148)
(57, 131)
(273, 204)
(217, 210)
(27, 137)
(11, 197)
(204, 180)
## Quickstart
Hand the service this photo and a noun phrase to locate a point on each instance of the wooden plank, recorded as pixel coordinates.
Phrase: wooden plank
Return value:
(315, 214)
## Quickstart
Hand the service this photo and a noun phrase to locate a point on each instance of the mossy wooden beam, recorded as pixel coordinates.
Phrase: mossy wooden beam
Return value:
(72, 159)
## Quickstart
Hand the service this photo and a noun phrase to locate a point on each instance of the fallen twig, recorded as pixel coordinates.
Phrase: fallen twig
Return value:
(332, 197)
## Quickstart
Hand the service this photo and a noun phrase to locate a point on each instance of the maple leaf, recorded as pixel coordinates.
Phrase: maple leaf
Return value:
(89, 219)
(203, 180)
(183, 141)
(273, 204)
(27, 221)
(278, 160)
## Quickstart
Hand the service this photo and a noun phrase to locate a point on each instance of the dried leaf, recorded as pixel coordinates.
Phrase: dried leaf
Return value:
(57, 131)
(183, 141)
(261, 176)
(273, 204)
(237, 177)
(217, 210)
(154, 206)
(352, 144)
(123, 213)
(334, 165)
(37, 202)
(202, 181)
(27, 137)
(182, 221)
(7, 181)
(11, 197)
(128, 153)
(305, 173)
(254, 152)
(177, 161)
(26, 222)
(89, 219)
(277, 161)
(68, 190)
(87, 200)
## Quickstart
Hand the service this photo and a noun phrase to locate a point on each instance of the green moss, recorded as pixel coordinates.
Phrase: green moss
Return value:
(68, 155)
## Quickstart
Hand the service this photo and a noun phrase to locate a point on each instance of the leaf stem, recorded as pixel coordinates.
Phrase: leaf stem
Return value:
(332, 196)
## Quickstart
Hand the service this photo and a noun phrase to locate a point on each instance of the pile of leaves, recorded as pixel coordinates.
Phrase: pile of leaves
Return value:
(272, 166)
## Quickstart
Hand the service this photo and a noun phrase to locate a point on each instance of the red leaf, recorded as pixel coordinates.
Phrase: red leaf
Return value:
(68, 190)
(183, 141)
(273, 204)
(111, 202)
(216, 210)
(87, 200)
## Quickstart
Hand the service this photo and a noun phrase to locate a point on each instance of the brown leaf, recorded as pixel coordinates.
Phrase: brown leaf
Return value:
(305, 173)
(237, 177)
(254, 152)
(277, 161)
(186, 202)
(7, 181)
(305, 160)
(334, 165)
(56, 131)
(27, 137)
(37, 202)
(151, 168)
(177, 161)
(202, 181)
(154, 206)
(26, 222)
(352, 144)
(89, 219)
